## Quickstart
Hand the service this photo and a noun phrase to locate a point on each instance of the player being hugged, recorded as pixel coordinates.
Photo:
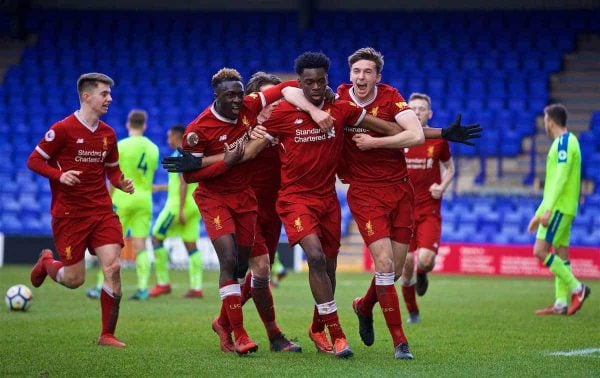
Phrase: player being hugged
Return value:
(224, 196)
(380, 196)
(77, 154)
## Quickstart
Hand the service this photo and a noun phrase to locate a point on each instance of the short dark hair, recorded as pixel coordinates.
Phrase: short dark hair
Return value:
(137, 118)
(259, 79)
(420, 96)
(367, 53)
(225, 74)
(311, 59)
(557, 113)
(177, 129)
(91, 80)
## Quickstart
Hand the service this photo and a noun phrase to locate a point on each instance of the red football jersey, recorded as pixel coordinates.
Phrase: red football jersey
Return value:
(266, 169)
(208, 133)
(72, 145)
(424, 167)
(382, 166)
(309, 156)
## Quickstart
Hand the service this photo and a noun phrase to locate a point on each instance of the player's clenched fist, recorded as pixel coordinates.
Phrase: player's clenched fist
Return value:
(126, 185)
(70, 178)
(363, 141)
(235, 154)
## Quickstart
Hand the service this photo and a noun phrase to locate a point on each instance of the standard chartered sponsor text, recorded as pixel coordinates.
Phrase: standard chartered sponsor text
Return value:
(88, 156)
(311, 135)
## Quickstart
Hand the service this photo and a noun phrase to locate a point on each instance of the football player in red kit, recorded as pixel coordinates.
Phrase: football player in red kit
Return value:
(77, 154)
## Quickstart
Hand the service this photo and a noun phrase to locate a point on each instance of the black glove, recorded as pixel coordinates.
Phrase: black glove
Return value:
(461, 134)
(184, 163)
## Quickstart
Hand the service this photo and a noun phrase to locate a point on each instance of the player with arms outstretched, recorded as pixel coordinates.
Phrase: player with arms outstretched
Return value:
(424, 168)
(179, 217)
(380, 195)
(554, 216)
(307, 201)
(77, 154)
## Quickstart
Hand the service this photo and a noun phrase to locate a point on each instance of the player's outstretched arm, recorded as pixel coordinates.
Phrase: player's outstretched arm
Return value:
(251, 149)
(459, 133)
(296, 97)
(404, 133)
(186, 162)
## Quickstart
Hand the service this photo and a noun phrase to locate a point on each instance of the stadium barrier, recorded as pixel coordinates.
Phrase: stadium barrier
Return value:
(504, 260)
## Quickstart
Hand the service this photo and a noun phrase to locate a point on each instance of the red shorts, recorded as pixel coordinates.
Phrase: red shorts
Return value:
(303, 216)
(72, 236)
(428, 228)
(383, 212)
(231, 213)
(268, 228)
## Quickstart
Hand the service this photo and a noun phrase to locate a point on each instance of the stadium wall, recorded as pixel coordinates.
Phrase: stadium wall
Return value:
(349, 5)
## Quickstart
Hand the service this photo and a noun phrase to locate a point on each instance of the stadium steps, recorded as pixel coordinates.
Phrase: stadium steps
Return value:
(578, 85)
(578, 88)
(11, 51)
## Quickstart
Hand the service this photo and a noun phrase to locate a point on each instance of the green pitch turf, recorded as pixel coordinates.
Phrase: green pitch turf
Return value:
(471, 326)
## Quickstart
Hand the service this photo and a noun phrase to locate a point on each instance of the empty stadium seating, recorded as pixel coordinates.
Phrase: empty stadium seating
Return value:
(492, 66)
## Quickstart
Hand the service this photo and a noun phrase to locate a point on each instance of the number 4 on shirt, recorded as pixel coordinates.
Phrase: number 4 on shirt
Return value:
(143, 165)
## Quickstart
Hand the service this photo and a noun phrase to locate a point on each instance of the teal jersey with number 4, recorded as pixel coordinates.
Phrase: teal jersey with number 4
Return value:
(138, 159)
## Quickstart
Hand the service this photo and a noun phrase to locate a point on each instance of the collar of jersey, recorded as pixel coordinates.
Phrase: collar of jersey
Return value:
(358, 102)
(220, 117)
(82, 121)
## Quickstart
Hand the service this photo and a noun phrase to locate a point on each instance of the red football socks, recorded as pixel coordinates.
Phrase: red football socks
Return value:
(246, 289)
(52, 267)
(368, 301)
(109, 305)
(263, 300)
(388, 300)
(318, 325)
(408, 292)
(333, 325)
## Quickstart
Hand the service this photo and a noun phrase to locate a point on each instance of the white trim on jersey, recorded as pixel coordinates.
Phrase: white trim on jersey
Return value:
(220, 117)
(116, 163)
(361, 118)
(197, 154)
(263, 100)
(92, 128)
(358, 102)
(42, 152)
(399, 114)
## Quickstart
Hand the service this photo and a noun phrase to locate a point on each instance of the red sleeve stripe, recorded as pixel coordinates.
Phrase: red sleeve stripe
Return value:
(42, 152)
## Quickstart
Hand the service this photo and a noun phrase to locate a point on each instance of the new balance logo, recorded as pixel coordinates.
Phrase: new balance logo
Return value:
(387, 309)
(222, 138)
(298, 121)
(79, 141)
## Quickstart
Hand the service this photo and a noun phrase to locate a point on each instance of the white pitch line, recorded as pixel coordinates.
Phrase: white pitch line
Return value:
(577, 352)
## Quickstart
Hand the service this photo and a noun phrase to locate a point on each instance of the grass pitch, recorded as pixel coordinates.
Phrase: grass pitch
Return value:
(471, 326)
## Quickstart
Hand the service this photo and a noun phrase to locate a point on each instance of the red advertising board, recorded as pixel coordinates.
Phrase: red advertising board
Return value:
(508, 260)
(511, 260)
